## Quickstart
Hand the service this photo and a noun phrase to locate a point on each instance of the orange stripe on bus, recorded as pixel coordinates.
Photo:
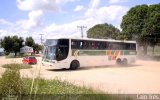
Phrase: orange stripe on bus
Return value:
(108, 53)
(114, 57)
(116, 53)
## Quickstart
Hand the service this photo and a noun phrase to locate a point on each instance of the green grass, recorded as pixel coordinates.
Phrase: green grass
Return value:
(17, 66)
(22, 55)
(12, 85)
(62, 90)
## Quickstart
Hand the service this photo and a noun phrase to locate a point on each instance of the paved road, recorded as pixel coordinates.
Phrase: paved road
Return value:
(142, 77)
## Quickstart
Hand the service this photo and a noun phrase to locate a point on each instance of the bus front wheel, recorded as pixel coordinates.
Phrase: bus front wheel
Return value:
(74, 65)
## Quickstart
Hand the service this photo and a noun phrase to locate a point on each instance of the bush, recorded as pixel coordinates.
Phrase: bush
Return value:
(17, 66)
(11, 83)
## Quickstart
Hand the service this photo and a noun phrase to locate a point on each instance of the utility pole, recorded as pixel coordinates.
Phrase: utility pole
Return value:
(41, 38)
(82, 27)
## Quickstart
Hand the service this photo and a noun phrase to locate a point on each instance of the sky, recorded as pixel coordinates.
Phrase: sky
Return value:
(60, 18)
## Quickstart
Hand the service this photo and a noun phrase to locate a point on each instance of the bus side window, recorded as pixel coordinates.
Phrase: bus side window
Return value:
(94, 45)
(117, 46)
(127, 46)
(133, 47)
(98, 46)
(114, 47)
(106, 45)
(120, 46)
(85, 45)
(73, 45)
(101, 45)
(109, 46)
(81, 45)
(77, 45)
(89, 45)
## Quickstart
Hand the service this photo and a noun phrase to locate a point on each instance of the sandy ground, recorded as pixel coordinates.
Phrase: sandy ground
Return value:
(143, 77)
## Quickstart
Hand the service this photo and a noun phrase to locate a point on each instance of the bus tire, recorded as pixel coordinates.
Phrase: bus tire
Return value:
(74, 65)
(125, 61)
(118, 61)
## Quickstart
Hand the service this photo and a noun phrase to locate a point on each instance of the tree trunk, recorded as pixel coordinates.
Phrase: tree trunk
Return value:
(153, 51)
(15, 54)
(145, 49)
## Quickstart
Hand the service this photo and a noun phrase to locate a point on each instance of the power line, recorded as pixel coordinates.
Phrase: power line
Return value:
(82, 27)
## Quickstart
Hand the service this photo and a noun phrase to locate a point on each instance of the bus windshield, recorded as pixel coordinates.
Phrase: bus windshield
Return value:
(56, 49)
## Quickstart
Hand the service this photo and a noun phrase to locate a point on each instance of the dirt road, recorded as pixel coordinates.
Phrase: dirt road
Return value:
(142, 77)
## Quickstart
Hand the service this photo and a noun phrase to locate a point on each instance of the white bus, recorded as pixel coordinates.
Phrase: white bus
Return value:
(73, 53)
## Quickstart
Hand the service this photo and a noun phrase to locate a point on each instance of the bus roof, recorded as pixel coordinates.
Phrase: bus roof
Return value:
(92, 39)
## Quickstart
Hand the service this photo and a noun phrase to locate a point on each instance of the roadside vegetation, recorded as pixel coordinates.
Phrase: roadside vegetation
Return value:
(17, 66)
(141, 24)
(12, 45)
(12, 85)
(22, 55)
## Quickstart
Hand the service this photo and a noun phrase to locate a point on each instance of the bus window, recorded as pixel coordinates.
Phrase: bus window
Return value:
(85, 44)
(97, 45)
(110, 46)
(73, 44)
(133, 46)
(89, 45)
(106, 45)
(62, 53)
(102, 46)
(117, 46)
(93, 45)
(81, 44)
(129, 46)
(62, 49)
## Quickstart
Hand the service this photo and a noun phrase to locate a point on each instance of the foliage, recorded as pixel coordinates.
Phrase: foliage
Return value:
(133, 22)
(29, 42)
(37, 48)
(152, 23)
(64, 90)
(12, 44)
(17, 66)
(11, 83)
(103, 31)
(140, 22)
(121, 36)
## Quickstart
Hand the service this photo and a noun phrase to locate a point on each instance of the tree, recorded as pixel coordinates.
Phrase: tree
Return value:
(103, 31)
(7, 44)
(152, 25)
(29, 42)
(121, 36)
(37, 48)
(18, 43)
(141, 21)
(12, 44)
(134, 21)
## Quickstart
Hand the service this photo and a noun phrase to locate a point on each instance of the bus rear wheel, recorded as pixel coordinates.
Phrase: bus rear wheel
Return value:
(125, 61)
(74, 65)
